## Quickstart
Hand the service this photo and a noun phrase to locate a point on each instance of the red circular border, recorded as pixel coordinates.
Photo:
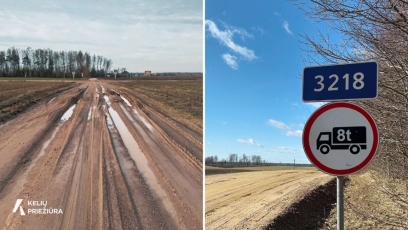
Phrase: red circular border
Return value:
(308, 150)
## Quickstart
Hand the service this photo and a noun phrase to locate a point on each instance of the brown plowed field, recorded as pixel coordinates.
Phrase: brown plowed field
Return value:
(114, 164)
(250, 200)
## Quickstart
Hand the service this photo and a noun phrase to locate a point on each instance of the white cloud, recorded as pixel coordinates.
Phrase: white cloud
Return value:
(235, 30)
(278, 124)
(250, 141)
(296, 133)
(283, 126)
(286, 27)
(285, 150)
(230, 60)
(226, 39)
(156, 35)
(259, 30)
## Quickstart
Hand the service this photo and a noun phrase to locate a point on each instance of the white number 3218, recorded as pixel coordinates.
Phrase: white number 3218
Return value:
(358, 82)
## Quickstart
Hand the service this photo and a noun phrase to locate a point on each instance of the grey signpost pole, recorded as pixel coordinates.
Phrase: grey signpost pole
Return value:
(340, 203)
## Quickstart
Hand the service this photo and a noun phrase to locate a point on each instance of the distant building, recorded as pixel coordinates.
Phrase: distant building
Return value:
(148, 73)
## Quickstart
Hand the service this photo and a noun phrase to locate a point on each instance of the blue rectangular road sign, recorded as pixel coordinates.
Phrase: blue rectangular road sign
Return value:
(353, 81)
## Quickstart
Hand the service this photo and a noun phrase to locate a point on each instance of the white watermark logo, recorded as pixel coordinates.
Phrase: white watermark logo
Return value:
(40, 207)
(18, 205)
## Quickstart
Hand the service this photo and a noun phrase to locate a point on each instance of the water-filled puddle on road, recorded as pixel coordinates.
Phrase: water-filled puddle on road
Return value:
(46, 143)
(107, 100)
(103, 90)
(68, 113)
(113, 120)
(51, 100)
(134, 149)
(126, 101)
(89, 113)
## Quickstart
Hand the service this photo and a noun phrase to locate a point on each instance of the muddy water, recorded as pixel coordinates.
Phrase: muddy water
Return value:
(46, 143)
(51, 100)
(146, 123)
(126, 101)
(134, 151)
(103, 90)
(138, 157)
(89, 113)
(68, 113)
(107, 100)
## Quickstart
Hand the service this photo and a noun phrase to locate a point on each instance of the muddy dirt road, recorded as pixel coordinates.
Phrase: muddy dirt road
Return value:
(250, 200)
(94, 157)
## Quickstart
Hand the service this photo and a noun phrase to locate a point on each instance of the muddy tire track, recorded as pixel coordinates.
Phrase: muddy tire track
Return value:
(182, 179)
(26, 155)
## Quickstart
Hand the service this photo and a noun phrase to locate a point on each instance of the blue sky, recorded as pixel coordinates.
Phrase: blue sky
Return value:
(140, 35)
(253, 70)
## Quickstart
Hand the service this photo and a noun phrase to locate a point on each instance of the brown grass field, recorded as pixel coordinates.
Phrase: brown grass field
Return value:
(365, 207)
(17, 96)
(181, 98)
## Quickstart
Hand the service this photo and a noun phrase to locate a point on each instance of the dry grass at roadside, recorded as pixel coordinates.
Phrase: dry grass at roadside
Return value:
(210, 170)
(182, 99)
(367, 207)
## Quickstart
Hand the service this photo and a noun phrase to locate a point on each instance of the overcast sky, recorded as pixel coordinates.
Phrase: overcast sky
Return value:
(156, 35)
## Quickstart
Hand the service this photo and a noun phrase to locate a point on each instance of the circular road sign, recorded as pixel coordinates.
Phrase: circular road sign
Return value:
(340, 138)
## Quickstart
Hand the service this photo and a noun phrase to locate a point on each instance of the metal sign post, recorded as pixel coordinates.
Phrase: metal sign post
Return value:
(340, 138)
(340, 204)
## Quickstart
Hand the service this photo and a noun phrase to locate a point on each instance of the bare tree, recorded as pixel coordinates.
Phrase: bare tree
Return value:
(2, 62)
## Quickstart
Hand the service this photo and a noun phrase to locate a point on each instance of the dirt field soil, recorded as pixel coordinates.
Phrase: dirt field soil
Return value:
(250, 200)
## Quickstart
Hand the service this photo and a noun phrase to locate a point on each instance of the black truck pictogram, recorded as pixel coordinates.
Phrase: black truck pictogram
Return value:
(353, 138)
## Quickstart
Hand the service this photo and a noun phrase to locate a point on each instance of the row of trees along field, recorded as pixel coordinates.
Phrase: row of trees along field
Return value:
(373, 30)
(235, 160)
(28, 62)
